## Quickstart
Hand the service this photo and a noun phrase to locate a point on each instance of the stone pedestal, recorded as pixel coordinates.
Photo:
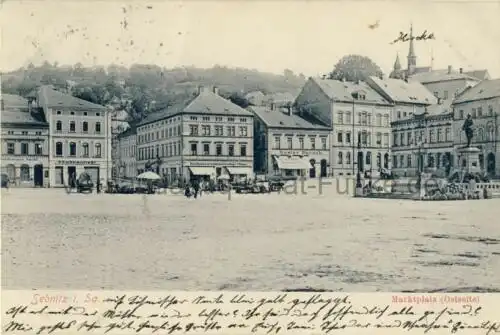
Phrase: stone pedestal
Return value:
(469, 159)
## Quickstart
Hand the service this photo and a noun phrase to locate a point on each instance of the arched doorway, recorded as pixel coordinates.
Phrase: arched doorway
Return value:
(324, 168)
(38, 175)
(312, 170)
(491, 164)
(11, 172)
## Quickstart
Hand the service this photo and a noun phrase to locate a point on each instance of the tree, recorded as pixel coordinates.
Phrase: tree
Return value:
(354, 68)
(239, 100)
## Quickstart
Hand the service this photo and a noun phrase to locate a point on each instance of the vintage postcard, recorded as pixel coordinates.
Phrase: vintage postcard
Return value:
(304, 166)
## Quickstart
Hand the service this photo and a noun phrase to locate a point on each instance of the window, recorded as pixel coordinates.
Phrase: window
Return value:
(386, 120)
(447, 134)
(440, 135)
(399, 114)
(206, 130)
(38, 149)
(408, 138)
(59, 149)
(179, 130)
(339, 159)
(340, 118)
(461, 112)
(348, 158)
(378, 120)
(445, 96)
(218, 118)
(289, 142)
(194, 149)
(98, 152)
(348, 117)
(231, 130)
(230, 119)
(85, 147)
(243, 120)
(58, 126)
(401, 160)
(479, 111)
(408, 161)
(313, 142)
(359, 118)
(72, 126)
(231, 149)
(10, 148)
(386, 139)
(85, 113)
(219, 131)
(243, 149)
(339, 137)
(368, 158)
(206, 118)
(206, 149)
(243, 132)
(193, 130)
(97, 114)
(72, 113)
(490, 110)
(25, 173)
(218, 149)
(277, 144)
(24, 148)
(348, 137)
(85, 126)
(24, 133)
(402, 139)
(59, 113)
(193, 118)
(72, 149)
(301, 143)
(395, 161)
(97, 127)
(431, 136)
(379, 139)
(323, 143)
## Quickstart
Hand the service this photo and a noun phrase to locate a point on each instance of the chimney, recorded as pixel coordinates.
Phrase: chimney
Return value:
(449, 69)
(216, 90)
(461, 70)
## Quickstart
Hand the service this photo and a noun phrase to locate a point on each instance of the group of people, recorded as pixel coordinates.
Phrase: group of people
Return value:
(196, 188)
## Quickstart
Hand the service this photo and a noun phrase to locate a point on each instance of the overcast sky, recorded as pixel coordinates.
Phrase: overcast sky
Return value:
(305, 36)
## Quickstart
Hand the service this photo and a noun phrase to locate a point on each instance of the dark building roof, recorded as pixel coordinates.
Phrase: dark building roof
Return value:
(486, 89)
(206, 102)
(50, 98)
(129, 132)
(404, 92)
(15, 112)
(281, 119)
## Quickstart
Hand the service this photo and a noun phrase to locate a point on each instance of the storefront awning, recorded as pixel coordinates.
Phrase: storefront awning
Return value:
(235, 171)
(292, 163)
(202, 171)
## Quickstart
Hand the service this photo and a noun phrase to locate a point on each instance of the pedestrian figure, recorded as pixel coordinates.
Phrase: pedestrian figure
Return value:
(200, 187)
(196, 189)
(187, 191)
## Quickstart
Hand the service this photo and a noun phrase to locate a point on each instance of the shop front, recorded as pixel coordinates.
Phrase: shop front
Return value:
(239, 172)
(65, 170)
(295, 166)
(299, 163)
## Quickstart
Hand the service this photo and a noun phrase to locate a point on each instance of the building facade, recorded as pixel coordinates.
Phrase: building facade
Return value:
(360, 121)
(287, 144)
(126, 163)
(482, 102)
(25, 136)
(204, 137)
(79, 137)
(423, 143)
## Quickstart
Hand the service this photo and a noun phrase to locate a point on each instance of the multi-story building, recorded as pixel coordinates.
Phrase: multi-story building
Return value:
(24, 142)
(482, 102)
(126, 162)
(289, 145)
(79, 137)
(206, 136)
(419, 125)
(360, 121)
(423, 142)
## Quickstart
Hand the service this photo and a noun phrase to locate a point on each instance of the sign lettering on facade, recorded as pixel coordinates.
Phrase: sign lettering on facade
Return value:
(297, 153)
(77, 162)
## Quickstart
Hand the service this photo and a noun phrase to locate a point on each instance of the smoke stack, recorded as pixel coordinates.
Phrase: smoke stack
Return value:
(216, 90)
(449, 69)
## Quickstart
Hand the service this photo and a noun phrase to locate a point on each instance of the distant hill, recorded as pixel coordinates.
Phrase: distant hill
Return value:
(136, 87)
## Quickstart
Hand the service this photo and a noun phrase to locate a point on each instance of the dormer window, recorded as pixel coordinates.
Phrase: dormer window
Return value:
(359, 95)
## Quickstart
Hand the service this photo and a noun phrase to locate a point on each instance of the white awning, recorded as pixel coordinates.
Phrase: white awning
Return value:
(239, 170)
(292, 163)
(202, 171)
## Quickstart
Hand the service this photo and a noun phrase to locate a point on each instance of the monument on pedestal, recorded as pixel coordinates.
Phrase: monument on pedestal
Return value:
(469, 156)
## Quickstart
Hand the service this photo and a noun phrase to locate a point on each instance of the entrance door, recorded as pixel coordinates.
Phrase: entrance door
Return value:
(360, 161)
(323, 168)
(38, 175)
(72, 176)
(312, 170)
(491, 164)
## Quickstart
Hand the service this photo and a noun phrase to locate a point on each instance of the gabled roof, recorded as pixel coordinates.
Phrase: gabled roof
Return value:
(13, 101)
(280, 119)
(206, 102)
(50, 98)
(22, 118)
(486, 89)
(479, 74)
(342, 91)
(401, 91)
(440, 75)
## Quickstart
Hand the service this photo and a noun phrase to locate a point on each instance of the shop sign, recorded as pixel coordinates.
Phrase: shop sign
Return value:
(69, 162)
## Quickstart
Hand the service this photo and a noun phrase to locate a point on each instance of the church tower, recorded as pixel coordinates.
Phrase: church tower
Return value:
(412, 58)
(397, 72)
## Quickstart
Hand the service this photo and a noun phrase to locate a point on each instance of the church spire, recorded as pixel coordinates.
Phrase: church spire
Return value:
(397, 63)
(412, 58)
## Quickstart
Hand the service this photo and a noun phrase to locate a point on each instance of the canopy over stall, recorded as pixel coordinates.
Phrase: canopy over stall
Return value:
(292, 163)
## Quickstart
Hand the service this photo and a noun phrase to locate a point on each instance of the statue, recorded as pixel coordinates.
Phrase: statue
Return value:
(467, 128)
